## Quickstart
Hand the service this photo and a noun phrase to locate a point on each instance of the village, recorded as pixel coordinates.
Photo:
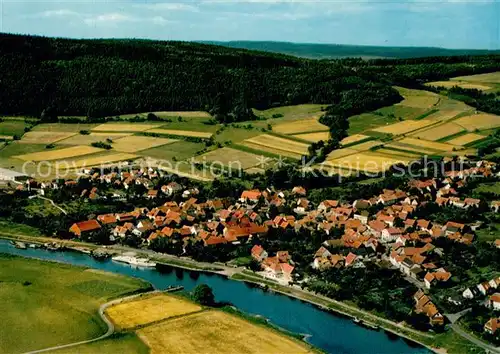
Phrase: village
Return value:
(381, 230)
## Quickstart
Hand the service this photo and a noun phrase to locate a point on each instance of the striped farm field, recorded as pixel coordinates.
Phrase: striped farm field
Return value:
(427, 144)
(124, 127)
(404, 127)
(369, 162)
(466, 139)
(335, 154)
(231, 157)
(300, 126)
(144, 311)
(391, 152)
(314, 137)
(80, 139)
(444, 115)
(354, 139)
(59, 154)
(439, 132)
(98, 159)
(410, 148)
(462, 84)
(479, 121)
(278, 143)
(366, 146)
(188, 133)
(44, 137)
(135, 143)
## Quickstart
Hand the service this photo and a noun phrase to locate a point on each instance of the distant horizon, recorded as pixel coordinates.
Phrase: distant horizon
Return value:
(450, 24)
(215, 41)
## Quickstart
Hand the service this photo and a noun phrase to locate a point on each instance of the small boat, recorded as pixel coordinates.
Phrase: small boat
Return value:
(356, 320)
(20, 245)
(133, 261)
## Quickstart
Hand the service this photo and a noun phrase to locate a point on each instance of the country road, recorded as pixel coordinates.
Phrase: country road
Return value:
(53, 204)
(109, 332)
(489, 348)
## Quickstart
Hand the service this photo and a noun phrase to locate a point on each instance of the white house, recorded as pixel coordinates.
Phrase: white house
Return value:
(495, 301)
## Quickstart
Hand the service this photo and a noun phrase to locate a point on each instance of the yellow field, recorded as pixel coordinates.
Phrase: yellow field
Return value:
(216, 332)
(479, 121)
(428, 144)
(335, 154)
(137, 143)
(189, 133)
(314, 137)
(398, 153)
(300, 126)
(417, 98)
(366, 146)
(271, 150)
(152, 309)
(101, 159)
(59, 154)
(125, 127)
(404, 127)
(416, 149)
(231, 157)
(282, 144)
(444, 115)
(462, 84)
(46, 137)
(466, 139)
(369, 161)
(488, 77)
(255, 170)
(439, 132)
(80, 139)
(353, 139)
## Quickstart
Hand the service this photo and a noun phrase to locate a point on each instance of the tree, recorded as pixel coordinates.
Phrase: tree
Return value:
(203, 294)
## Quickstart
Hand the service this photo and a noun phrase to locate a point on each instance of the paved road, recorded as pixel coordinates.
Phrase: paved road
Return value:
(109, 332)
(489, 348)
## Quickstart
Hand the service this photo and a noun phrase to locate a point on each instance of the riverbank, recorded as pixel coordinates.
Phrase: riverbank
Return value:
(240, 274)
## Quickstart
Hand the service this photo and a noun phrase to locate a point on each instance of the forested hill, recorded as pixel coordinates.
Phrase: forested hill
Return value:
(335, 51)
(109, 77)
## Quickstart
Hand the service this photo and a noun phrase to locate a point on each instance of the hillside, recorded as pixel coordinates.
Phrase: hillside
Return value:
(97, 78)
(335, 51)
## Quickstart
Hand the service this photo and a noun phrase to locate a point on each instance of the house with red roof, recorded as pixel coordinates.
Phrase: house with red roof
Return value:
(258, 253)
(492, 326)
(84, 227)
(391, 234)
(252, 196)
(494, 301)
(438, 276)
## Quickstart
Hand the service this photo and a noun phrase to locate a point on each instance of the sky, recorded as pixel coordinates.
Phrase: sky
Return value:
(440, 23)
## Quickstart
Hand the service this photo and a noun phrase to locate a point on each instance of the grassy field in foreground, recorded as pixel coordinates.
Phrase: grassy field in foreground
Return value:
(46, 304)
(118, 343)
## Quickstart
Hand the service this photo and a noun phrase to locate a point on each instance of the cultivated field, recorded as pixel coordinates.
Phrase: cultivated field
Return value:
(427, 144)
(462, 84)
(81, 139)
(136, 143)
(488, 77)
(314, 137)
(278, 145)
(479, 121)
(44, 304)
(169, 114)
(301, 111)
(45, 137)
(410, 148)
(125, 127)
(368, 161)
(216, 332)
(439, 132)
(410, 155)
(12, 127)
(99, 159)
(59, 154)
(335, 154)
(231, 157)
(188, 133)
(404, 127)
(148, 310)
(300, 126)
(417, 98)
(466, 139)
(444, 115)
(366, 146)
(354, 139)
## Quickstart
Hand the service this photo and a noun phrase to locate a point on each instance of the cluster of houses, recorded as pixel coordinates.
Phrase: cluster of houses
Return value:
(381, 228)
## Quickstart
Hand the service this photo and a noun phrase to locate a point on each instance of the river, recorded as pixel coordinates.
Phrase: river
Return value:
(327, 331)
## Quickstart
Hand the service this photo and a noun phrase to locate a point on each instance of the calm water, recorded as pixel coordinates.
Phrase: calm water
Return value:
(324, 330)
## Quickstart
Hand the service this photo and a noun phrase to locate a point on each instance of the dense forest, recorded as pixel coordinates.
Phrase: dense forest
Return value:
(97, 78)
(336, 51)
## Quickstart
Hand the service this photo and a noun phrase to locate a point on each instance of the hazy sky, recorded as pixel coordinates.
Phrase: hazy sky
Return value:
(452, 23)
